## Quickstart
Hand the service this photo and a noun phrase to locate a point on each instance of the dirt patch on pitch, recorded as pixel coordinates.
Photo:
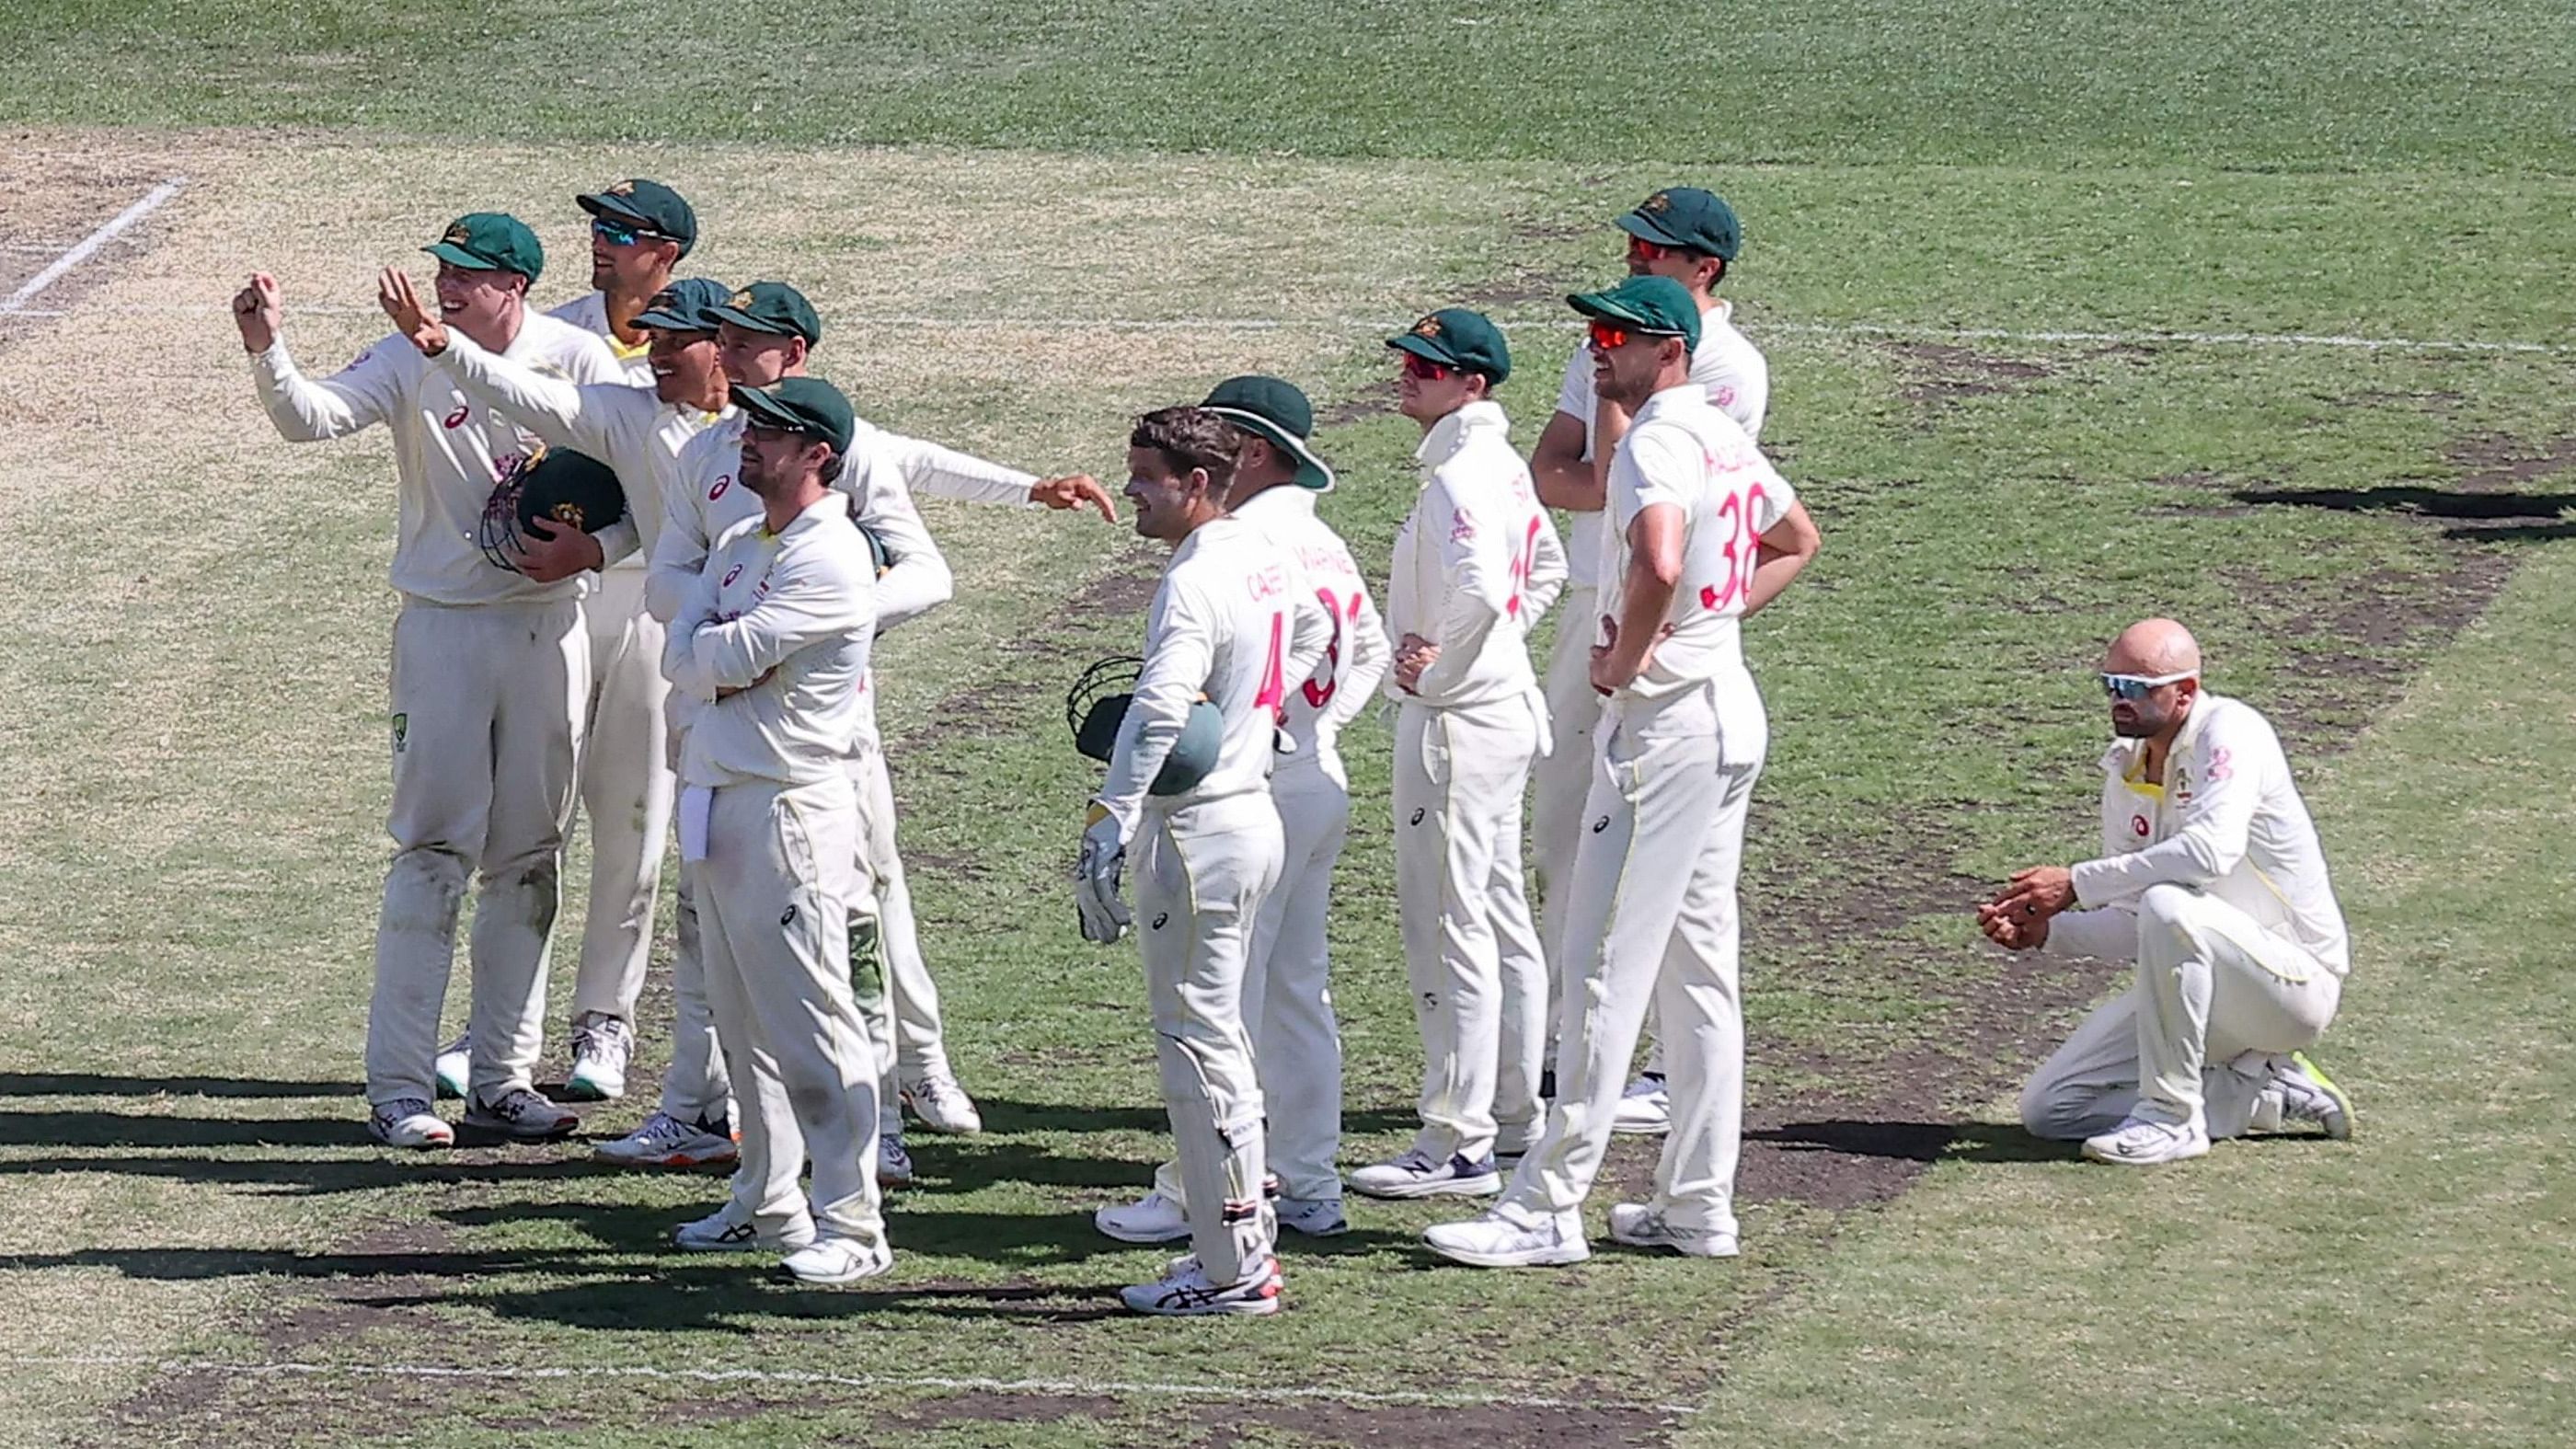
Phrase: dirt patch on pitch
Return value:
(60, 190)
(1938, 374)
(1442, 1426)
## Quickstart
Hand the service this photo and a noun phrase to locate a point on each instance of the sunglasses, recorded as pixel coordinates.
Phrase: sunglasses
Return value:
(1416, 365)
(1642, 250)
(2135, 687)
(621, 234)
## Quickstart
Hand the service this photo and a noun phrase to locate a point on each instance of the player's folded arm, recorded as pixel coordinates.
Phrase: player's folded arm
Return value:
(812, 598)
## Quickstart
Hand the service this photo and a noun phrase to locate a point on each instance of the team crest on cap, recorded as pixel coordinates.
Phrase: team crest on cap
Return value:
(622, 188)
(742, 298)
(457, 235)
(1427, 327)
(1660, 201)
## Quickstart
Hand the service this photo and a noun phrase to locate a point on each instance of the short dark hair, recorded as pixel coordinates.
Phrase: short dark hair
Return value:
(1190, 438)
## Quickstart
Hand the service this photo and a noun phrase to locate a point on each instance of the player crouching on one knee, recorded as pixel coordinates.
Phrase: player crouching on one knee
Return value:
(2212, 880)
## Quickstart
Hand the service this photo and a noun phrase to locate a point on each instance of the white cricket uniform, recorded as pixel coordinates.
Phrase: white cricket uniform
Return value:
(1287, 979)
(2215, 884)
(1232, 622)
(589, 312)
(783, 622)
(489, 672)
(1476, 563)
(626, 781)
(1738, 381)
(879, 475)
(1651, 911)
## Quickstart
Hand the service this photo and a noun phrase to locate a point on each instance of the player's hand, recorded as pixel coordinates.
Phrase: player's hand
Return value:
(394, 294)
(1095, 880)
(2037, 893)
(1611, 672)
(1413, 654)
(2012, 930)
(257, 314)
(1074, 490)
(556, 551)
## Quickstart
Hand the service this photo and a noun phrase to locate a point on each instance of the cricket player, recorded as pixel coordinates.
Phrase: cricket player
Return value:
(1702, 533)
(490, 667)
(639, 232)
(626, 782)
(769, 657)
(1287, 995)
(1691, 236)
(767, 332)
(1226, 626)
(2212, 880)
(1476, 563)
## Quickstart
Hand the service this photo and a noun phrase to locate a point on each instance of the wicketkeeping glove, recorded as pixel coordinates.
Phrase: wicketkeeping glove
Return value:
(1095, 880)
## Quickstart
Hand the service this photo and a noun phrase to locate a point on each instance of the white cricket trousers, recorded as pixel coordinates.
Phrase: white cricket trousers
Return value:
(919, 1037)
(1287, 991)
(774, 898)
(695, 1086)
(1479, 978)
(626, 786)
(2216, 996)
(486, 732)
(1651, 917)
(1202, 872)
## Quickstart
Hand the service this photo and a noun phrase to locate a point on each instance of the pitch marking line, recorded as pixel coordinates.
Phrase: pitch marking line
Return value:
(16, 302)
(1099, 1387)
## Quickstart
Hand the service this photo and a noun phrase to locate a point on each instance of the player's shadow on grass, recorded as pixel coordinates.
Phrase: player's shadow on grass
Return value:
(2501, 517)
(369, 1171)
(1003, 1117)
(127, 1129)
(91, 1084)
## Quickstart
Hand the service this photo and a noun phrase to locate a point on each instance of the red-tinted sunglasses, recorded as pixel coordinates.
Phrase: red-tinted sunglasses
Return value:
(1609, 335)
(1642, 250)
(1417, 365)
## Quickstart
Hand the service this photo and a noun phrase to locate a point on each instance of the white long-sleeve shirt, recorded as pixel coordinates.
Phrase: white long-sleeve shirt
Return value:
(1232, 622)
(1729, 366)
(448, 451)
(1355, 658)
(2227, 821)
(1681, 451)
(781, 623)
(589, 312)
(623, 425)
(1476, 563)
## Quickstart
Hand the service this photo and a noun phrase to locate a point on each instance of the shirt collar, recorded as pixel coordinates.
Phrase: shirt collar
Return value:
(1282, 499)
(833, 504)
(1678, 397)
(1453, 432)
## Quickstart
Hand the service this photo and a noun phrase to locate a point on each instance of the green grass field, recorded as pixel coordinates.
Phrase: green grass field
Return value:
(1997, 254)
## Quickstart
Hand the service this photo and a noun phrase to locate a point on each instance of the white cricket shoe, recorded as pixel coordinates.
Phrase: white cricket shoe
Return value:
(1415, 1173)
(2140, 1143)
(1153, 1218)
(943, 1106)
(894, 1165)
(1316, 1217)
(1641, 1226)
(408, 1122)
(730, 1230)
(520, 1115)
(2309, 1095)
(1645, 1109)
(601, 1047)
(830, 1260)
(455, 1064)
(1186, 1291)
(1510, 1238)
(666, 1141)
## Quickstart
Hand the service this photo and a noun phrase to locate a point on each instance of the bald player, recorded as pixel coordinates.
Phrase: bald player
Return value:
(1287, 978)
(1692, 237)
(1704, 532)
(640, 230)
(490, 668)
(767, 332)
(1476, 564)
(2212, 880)
(638, 431)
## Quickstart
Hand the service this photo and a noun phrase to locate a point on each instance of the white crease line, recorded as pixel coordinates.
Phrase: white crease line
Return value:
(1103, 1387)
(115, 227)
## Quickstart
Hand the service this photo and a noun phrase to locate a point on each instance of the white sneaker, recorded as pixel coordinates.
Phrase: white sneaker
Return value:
(943, 1106)
(520, 1115)
(1645, 1109)
(1510, 1238)
(1415, 1173)
(2140, 1143)
(1186, 1291)
(1153, 1218)
(2309, 1095)
(828, 1261)
(666, 1141)
(455, 1064)
(1641, 1226)
(894, 1165)
(408, 1122)
(729, 1230)
(1316, 1217)
(601, 1047)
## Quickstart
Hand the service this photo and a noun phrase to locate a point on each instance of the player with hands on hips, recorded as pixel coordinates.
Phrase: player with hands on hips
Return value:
(1226, 626)
(1704, 532)
(1476, 563)
(2214, 883)
(490, 667)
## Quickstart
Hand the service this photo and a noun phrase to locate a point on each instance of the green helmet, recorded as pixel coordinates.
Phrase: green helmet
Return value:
(1097, 705)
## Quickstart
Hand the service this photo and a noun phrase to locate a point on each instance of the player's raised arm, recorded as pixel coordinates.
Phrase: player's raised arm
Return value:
(305, 410)
(917, 578)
